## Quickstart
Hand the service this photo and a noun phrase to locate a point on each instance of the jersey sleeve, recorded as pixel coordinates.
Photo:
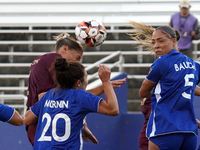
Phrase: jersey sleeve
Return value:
(157, 69)
(6, 112)
(37, 107)
(89, 102)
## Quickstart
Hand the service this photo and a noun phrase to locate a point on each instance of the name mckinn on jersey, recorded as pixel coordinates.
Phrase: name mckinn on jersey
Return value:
(184, 65)
(56, 104)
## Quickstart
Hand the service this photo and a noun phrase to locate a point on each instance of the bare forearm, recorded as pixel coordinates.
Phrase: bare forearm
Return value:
(197, 91)
(111, 98)
(29, 118)
(16, 120)
(96, 91)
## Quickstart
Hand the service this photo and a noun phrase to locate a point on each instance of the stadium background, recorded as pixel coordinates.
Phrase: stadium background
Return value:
(26, 30)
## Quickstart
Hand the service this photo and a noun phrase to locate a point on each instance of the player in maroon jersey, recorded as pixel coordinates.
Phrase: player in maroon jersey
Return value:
(146, 110)
(41, 79)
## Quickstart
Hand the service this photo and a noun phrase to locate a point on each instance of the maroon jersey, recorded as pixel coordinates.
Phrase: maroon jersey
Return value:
(146, 110)
(41, 79)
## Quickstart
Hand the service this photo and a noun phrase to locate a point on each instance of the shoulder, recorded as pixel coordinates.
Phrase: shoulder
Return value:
(175, 14)
(192, 16)
(81, 92)
(161, 60)
(52, 55)
(49, 58)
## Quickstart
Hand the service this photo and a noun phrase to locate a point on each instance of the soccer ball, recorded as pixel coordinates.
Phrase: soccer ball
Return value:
(91, 33)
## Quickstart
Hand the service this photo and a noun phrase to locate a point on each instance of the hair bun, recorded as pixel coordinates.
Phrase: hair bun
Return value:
(61, 65)
(178, 36)
(62, 36)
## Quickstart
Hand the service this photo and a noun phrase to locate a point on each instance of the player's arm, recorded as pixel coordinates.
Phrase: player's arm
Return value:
(110, 106)
(87, 134)
(16, 119)
(146, 88)
(198, 122)
(30, 118)
(197, 91)
(99, 90)
(40, 95)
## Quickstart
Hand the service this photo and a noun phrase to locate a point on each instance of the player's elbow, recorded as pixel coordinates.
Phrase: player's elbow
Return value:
(20, 123)
(26, 122)
(16, 123)
(143, 94)
(113, 112)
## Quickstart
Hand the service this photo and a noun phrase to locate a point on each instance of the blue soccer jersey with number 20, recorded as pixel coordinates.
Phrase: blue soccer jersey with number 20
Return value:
(176, 77)
(61, 114)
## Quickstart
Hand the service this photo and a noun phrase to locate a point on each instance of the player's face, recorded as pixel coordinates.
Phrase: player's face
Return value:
(85, 82)
(162, 44)
(72, 55)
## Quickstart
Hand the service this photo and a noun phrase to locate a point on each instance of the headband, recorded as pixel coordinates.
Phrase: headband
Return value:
(169, 30)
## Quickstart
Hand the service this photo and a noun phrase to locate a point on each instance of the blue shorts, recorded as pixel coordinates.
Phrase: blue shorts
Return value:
(175, 141)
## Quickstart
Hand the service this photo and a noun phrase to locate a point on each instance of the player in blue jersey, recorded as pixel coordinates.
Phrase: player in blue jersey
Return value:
(173, 78)
(171, 84)
(61, 111)
(10, 115)
(146, 31)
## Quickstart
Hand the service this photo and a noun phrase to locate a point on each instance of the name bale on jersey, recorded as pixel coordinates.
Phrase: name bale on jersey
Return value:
(184, 65)
(56, 104)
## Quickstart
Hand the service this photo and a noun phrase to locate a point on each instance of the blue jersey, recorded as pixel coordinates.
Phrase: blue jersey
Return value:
(6, 113)
(61, 114)
(176, 77)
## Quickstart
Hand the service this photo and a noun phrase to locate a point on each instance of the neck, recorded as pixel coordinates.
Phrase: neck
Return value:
(184, 15)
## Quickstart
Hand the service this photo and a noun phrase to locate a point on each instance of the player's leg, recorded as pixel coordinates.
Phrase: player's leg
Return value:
(31, 130)
(171, 141)
(143, 141)
(153, 146)
(189, 142)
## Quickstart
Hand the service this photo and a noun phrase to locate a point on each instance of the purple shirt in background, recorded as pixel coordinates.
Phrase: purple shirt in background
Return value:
(184, 25)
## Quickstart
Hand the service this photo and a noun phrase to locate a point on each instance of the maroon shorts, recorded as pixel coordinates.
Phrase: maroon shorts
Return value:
(143, 141)
(31, 130)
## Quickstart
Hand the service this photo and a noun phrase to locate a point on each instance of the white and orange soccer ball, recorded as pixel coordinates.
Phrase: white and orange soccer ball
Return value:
(91, 33)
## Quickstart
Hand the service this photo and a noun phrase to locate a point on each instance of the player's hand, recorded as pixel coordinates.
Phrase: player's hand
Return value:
(198, 122)
(117, 83)
(87, 134)
(104, 73)
(40, 95)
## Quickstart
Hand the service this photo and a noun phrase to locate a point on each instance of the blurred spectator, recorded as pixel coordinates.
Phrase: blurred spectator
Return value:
(188, 27)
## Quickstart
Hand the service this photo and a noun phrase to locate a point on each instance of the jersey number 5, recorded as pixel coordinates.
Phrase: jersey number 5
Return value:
(188, 83)
(54, 122)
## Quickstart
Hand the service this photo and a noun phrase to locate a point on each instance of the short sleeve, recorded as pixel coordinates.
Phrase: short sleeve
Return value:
(6, 112)
(37, 107)
(157, 70)
(89, 102)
